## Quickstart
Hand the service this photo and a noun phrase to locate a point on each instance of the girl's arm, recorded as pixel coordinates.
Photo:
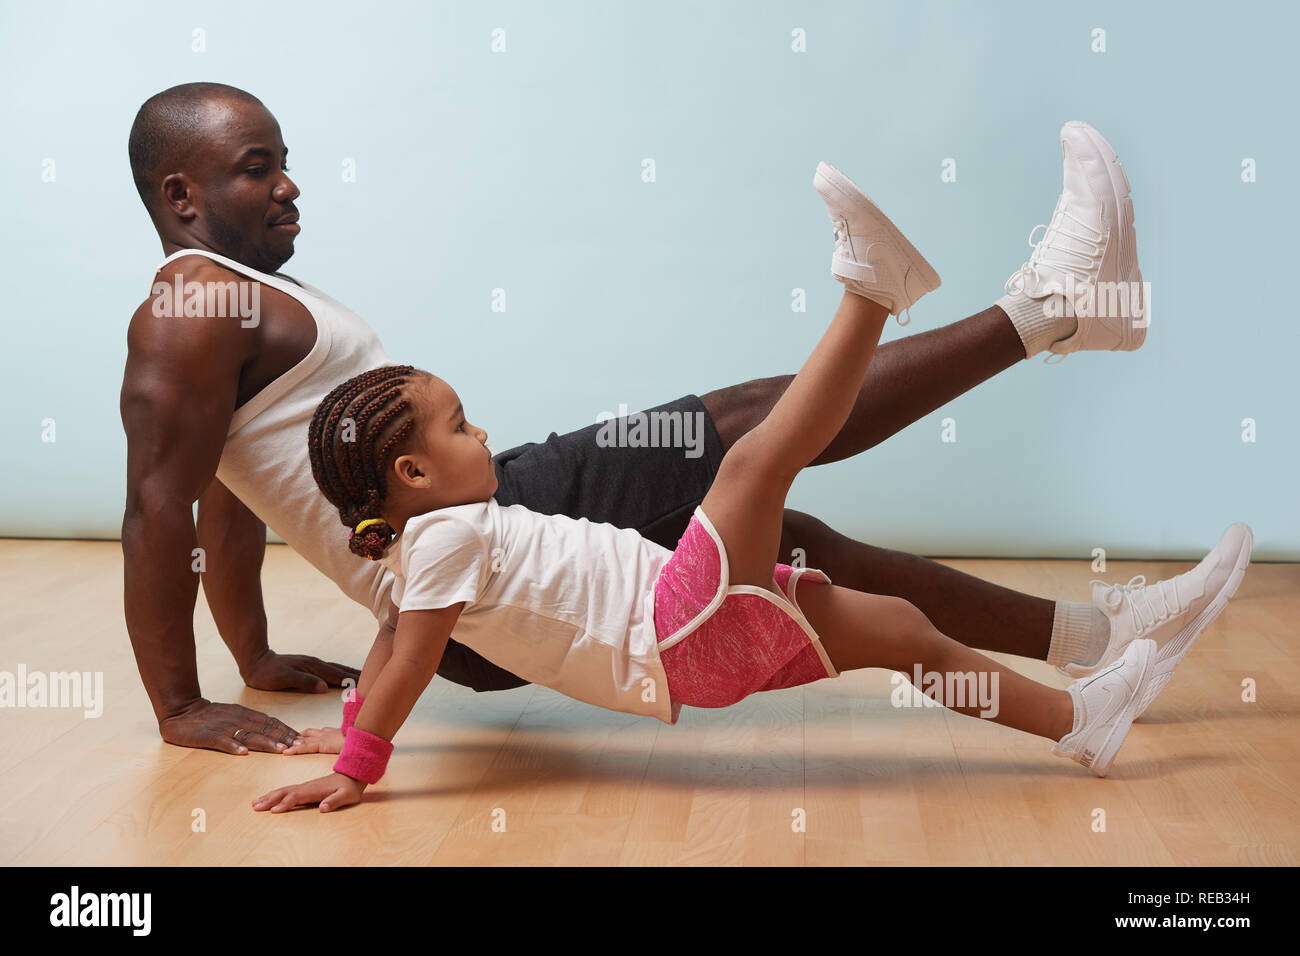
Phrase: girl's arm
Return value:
(416, 652)
(329, 740)
(380, 651)
(417, 649)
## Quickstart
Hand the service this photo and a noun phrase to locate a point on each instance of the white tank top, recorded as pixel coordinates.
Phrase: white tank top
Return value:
(265, 463)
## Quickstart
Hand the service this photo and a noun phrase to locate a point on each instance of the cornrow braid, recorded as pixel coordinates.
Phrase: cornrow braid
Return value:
(358, 430)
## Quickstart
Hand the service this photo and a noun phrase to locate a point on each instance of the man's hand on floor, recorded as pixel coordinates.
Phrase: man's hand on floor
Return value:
(312, 675)
(229, 728)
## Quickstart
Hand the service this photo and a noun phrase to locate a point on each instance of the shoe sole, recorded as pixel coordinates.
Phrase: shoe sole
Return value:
(1119, 732)
(830, 177)
(1165, 668)
(1122, 192)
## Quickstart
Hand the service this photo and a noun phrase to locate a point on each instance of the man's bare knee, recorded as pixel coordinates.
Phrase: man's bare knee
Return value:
(737, 409)
(812, 540)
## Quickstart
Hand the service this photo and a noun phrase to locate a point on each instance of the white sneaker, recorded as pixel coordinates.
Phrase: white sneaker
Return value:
(1104, 707)
(1172, 612)
(1087, 259)
(872, 258)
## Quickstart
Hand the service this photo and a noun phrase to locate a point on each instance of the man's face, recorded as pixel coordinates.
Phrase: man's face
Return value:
(238, 187)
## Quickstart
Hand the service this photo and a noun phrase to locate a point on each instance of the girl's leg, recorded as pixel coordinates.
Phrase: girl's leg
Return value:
(747, 500)
(860, 630)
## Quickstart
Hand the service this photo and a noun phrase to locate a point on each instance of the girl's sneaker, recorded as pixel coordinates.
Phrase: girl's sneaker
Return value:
(1105, 705)
(872, 258)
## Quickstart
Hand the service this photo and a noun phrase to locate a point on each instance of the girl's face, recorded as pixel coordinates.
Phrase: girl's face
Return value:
(454, 466)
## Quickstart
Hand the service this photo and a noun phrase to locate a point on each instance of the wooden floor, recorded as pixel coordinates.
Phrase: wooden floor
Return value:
(1203, 779)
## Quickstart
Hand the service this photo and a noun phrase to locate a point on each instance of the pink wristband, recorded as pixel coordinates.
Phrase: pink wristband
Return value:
(364, 757)
(351, 707)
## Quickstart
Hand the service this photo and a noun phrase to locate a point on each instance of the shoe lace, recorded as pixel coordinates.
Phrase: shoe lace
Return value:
(1048, 251)
(1144, 596)
(908, 308)
(841, 235)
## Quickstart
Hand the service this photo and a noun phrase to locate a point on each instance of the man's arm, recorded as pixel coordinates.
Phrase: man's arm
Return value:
(233, 540)
(178, 395)
(234, 544)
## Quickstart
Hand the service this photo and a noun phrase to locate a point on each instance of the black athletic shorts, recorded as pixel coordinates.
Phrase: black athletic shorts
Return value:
(648, 471)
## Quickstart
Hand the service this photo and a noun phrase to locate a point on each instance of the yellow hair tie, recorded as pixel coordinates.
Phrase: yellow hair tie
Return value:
(367, 523)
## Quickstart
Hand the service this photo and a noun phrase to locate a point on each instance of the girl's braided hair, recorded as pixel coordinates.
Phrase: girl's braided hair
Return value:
(358, 430)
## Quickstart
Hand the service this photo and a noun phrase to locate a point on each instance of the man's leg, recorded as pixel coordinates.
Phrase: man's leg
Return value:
(975, 612)
(908, 379)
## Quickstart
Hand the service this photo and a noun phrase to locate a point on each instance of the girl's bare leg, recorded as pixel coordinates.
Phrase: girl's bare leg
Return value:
(868, 630)
(747, 500)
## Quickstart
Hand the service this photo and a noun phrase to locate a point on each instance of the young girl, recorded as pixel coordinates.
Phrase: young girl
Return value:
(603, 615)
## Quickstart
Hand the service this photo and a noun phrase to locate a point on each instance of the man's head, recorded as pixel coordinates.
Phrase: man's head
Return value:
(209, 164)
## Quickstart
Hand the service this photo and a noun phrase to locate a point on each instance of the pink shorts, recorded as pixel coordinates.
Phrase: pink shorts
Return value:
(717, 643)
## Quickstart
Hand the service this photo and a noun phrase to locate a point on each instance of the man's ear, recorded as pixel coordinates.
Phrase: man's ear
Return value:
(178, 195)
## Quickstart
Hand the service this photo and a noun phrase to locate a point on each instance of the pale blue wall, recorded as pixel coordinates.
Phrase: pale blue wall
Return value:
(522, 170)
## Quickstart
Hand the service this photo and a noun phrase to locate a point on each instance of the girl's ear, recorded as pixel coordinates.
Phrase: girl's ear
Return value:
(402, 468)
(408, 471)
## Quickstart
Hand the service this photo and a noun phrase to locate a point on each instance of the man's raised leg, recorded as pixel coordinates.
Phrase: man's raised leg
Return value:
(907, 380)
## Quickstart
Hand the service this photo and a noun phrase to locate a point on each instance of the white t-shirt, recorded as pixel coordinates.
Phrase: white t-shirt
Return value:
(561, 602)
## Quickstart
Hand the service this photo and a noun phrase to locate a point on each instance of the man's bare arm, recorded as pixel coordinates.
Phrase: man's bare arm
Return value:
(178, 396)
(233, 540)
(234, 544)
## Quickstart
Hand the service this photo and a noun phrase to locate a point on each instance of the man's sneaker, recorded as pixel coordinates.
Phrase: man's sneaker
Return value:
(1172, 612)
(1087, 259)
(1104, 707)
(872, 258)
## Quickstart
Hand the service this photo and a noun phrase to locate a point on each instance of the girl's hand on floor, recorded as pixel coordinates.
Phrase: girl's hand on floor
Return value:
(332, 792)
(318, 740)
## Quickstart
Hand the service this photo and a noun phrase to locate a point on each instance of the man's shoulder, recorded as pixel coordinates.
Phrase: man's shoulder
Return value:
(172, 296)
(174, 282)
(188, 268)
(197, 267)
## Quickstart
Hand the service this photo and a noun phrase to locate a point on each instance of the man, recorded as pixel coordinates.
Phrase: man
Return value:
(215, 409)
